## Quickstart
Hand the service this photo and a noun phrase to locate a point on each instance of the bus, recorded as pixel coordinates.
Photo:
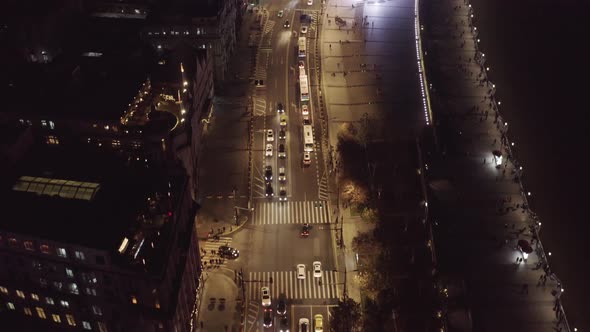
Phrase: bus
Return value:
(307, 138)
(302, 48)
(303, 88)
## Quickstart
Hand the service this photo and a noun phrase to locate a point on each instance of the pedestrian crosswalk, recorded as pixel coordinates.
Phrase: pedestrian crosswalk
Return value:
(209, 249)
(286, 282)
(291, 212)
(323, 188)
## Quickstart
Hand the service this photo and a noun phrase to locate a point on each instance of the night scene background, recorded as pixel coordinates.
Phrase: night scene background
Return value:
(293, 165)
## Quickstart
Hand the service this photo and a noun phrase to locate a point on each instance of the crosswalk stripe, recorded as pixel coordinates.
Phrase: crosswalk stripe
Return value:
(294, 212)
(286, 282)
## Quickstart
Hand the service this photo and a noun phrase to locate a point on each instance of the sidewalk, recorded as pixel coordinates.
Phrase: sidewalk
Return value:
(220, 306)
(478, 199)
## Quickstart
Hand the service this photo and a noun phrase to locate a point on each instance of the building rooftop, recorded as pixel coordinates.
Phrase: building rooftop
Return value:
(183, 11)
(86, 196)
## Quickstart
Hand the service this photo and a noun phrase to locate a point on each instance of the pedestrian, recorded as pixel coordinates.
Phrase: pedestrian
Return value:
(224, 229)
(330, 46)
(327, 15)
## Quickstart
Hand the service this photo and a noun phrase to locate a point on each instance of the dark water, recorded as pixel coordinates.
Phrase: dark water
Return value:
(536, 51)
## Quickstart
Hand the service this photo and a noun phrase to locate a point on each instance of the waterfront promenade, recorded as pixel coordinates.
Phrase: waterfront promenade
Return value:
(484, 226)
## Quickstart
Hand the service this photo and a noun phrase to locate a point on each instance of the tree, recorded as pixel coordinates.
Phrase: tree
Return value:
(346, 317)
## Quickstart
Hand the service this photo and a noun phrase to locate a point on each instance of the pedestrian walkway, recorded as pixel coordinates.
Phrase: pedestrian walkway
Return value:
(259, 106)
(505, 280)
(209, 252)
(286, 282)
(291, 212)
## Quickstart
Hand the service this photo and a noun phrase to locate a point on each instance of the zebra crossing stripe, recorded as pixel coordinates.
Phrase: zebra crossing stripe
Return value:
(286, 282)
(294, 212)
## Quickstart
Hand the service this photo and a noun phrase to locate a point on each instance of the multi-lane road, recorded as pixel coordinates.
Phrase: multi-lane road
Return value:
(272, 246)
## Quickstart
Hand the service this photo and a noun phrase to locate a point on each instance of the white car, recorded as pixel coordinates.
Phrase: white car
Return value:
(304, 110)
(309, 2)
(306, 158)
(270, 136)
(280, 13)
(300, 271)
(265, 297)
(317, 269)
(303, 29)
(268, 151)
(303, 324)
(282, 176)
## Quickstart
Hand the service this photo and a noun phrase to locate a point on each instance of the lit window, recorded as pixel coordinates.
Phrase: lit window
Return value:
(49, 300)
(40, 312)
(69, 272)
(90, 291)
(73, 288)
(96, 310)
(10, 305)
(70, 320)
(3, 289)
(44, 249)
(157, 304)
(64, 304)
(43, 282)
(58, 285)
(51, 125)
(86, 325)
(102, 327)
(20, 294)
(116, 143)
(12, 241)
(133, 299)
(29, 245)
(43, 123)
(22, 121)
(52, 140)
(79, 255)
(62, 252)
(56, 318)
(91, 278)
(28, 311)
(35, 297)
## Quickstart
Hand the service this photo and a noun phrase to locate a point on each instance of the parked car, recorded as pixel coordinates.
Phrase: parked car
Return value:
(303, 324)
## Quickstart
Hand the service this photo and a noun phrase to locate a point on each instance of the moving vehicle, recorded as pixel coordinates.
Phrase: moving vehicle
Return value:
(268, 151)
(283, 194)
(267, 318)
(301, 64)
(300, 271)
(306, 120)
(309, 2)
(303, 324)
(280, 108)
(280, 13)
(282, 134)
(305, 230)
(317, 269)
(282, 151)
(269, 192)
(284, 324)
(266, 302)
(287, 24)
(306, 159)
(318, 323)
(282, 306)
(303, 88)
(307, 138)
(270, 136)
(301, 45)
(282, 176)
(304, 109)
(304, 29)
(228, 252)
(283, 120)
(268, 173)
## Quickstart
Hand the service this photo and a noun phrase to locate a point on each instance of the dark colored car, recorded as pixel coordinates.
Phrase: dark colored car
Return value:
(280, 108)
(282, 134)
(229, 252)
(284, 324)
(268, 173)
(305, 230)
(282, 152)
(282, 306)
(267, 318)
(269, 192)
(287, 25)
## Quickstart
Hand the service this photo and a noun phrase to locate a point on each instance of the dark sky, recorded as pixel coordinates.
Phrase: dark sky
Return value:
(537, 52)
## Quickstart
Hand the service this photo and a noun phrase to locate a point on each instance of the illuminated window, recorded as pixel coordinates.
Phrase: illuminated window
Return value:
(44, 248)
(71, 320)
(90, 291)
(28, 311)
(56, 318)
(64, 304)
(73, 288)
(40, 312)
(12, 241)
(69, 272)
(91, 278)
(51, 125)
(86, 325)
(20, 294)
(29, 245)
(3, 289)
(43, 123)
(61, 252)
(133, 299)
(35, 296)
(96, 310)
(49, 300)
(157, 304)
(79, 255)
(43, 282)
(116, 143)
(10, 305)
(58, 285)
(52, 140)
